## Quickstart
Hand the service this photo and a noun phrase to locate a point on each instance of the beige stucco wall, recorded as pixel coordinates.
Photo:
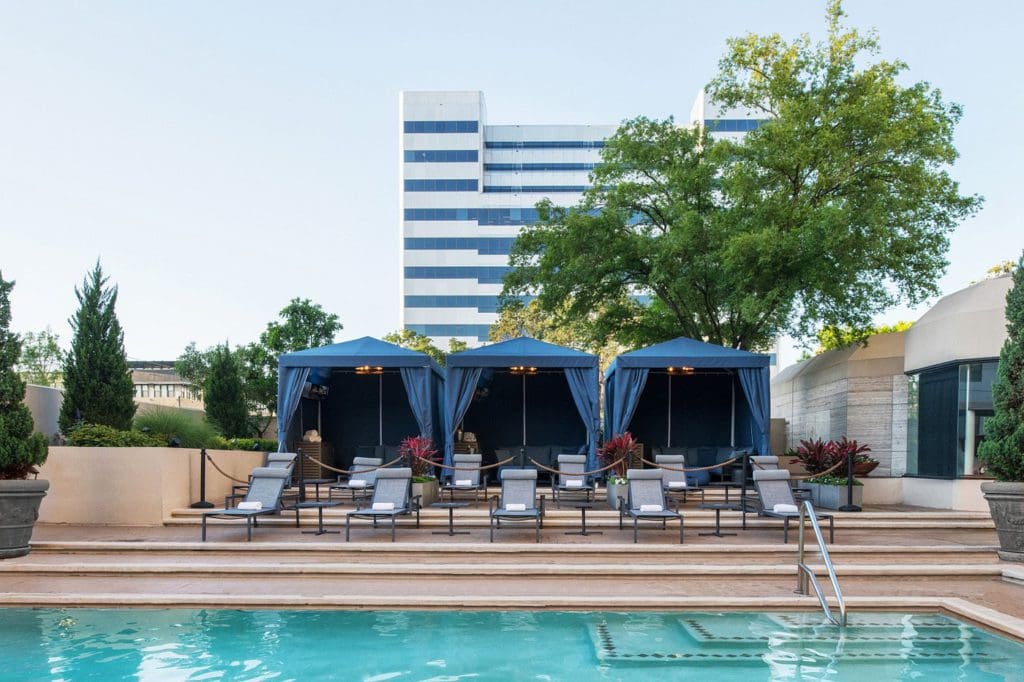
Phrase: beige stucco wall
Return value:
(133, 486)
(860, 393)
(963, 494)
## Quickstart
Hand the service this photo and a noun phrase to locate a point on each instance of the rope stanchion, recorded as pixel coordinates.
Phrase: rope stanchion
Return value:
(451, 468)
(691, 469)
(346, 472)
(224, 473)
(581, 473)
(832, 468)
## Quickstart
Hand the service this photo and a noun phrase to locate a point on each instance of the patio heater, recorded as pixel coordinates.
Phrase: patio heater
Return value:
(523, 372)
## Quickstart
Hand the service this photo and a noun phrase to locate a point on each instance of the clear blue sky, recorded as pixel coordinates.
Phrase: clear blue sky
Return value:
(222, 158)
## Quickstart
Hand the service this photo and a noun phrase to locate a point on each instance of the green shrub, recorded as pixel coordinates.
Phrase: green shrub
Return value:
(255, 444)
(165, 424)
(103, 436)
(832, 479)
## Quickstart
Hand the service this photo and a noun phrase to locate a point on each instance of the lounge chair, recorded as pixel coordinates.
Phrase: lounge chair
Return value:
(777, 501)
(771, 463)
(466, 478)
(275, 460)
(571, 479)
(675, 482)
(361, 480)
(392, 497)
(517, 502)
(646, 501)
(263, 497)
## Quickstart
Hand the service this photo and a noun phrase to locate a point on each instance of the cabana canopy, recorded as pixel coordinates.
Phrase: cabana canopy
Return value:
(627, 376)
(465, 369)
(420, 375)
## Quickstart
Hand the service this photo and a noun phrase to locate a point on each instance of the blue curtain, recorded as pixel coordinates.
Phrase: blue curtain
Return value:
(583, 385)
(756, 388)
(621, 401)
(458, 394)
(417, 387)
(290, 381)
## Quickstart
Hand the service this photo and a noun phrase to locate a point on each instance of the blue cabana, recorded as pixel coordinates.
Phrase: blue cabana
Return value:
(377, 393)
(701, 403)
(501, 375)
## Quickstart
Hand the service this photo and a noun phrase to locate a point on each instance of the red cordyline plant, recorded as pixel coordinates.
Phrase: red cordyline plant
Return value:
(818, 455)
(419, 452)
(617, 447)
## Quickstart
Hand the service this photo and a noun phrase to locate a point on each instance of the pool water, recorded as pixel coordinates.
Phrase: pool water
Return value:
(184, 644)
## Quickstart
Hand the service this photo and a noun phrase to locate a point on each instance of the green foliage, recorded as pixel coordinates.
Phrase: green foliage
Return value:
(193, 365)
(838, 207)
(102, 436)
(254, 444)
(21, 450)
(223, 394)
(831, 338)
(191, 430)
(407, 338)
(1002, 451)
(97, 383)
(41, 358)
(832, 479)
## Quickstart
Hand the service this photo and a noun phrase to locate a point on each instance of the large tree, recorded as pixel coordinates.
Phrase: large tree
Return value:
(41, 358)
(97, 382)
(20, 449)
(1003, 448)
(837, 207)
(223, 394)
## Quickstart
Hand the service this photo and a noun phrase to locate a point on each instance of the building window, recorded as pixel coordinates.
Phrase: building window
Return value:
(947, 409)
(442, 126)
(483, 216)
(441, 156)
(480, 331)
(544, 144)
(535, 189)
(733, 125)
(539, 166)
(490, 246)
(483, 274)
(441, 185)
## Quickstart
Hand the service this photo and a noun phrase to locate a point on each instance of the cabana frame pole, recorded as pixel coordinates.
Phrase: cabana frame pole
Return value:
(380, 409)
(668, 415)
(524, 409)
(732, 423)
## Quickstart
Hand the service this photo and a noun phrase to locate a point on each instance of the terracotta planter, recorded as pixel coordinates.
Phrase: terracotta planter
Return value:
(863, 468)
(1006, 502)
(19, 509)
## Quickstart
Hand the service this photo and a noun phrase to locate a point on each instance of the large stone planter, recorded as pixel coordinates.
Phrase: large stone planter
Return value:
(19, 509)
(613, 491)
(430, 492)
(1006, 502)
(833, 496)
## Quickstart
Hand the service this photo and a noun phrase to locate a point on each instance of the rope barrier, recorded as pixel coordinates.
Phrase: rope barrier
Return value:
(690, 469)
(840, 463)
(451, 468)
(224, 473)
(581, 473)
(350, 473)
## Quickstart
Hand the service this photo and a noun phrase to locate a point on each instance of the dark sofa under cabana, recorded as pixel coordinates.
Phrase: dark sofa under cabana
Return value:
(364, 396)
(526, 397)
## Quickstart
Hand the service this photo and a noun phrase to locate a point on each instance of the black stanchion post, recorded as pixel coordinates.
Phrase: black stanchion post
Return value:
(849, 506)
(202, 503)
(302, 476)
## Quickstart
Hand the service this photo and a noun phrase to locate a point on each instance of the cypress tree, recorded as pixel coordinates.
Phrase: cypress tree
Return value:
(97, 382)
(20, 449)
(223, 394)
(1003, 448)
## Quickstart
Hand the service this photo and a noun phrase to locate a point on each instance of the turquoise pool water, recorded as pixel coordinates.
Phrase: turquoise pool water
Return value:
(181, 644)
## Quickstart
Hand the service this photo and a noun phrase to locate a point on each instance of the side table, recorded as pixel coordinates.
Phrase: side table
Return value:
(718, 507)
(451, 507)
(319, 506)
(583, 507)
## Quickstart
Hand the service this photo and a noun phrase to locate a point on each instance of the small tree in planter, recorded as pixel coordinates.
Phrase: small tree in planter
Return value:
(21, 450)
(829, 481)
(419, 452)
(618, 447)
(1002, 452)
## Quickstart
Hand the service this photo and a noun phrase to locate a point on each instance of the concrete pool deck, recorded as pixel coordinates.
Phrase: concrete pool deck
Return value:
(887, 559)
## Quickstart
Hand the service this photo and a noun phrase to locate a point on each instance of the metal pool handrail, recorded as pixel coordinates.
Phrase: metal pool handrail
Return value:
(805, 575)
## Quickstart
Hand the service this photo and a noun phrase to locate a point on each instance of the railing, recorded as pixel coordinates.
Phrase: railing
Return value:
(806, 576)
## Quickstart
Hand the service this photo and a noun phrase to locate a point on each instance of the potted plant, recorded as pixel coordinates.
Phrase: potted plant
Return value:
(863, 463)
(21, 450)
(616, 448)
(828, 485)
(1002, 452)
(419, 452)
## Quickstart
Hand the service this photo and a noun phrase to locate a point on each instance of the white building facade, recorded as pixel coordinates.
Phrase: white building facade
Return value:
(468, 188)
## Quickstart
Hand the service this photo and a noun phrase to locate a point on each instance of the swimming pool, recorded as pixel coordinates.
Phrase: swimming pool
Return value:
(176, 644)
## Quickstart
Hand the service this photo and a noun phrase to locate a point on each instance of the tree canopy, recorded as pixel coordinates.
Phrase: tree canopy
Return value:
(407, 338)
(223, 394)
(836, 207)
(98, 385)
(41, 358)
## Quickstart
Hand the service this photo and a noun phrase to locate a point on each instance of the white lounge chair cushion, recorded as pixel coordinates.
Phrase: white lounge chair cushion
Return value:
(357, 483)
(676, 485)
(383, 506)
(575, 483)
(515, 507)
(250, 506)
(464, 482)
(648, 508)
(785, 508)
